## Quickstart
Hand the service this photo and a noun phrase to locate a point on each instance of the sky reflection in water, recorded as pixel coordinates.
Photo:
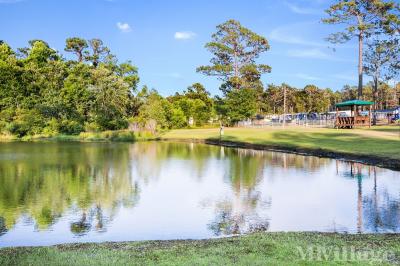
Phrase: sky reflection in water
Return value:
(78, 192)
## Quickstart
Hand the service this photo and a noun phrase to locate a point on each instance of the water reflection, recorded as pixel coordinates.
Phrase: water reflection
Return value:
(378, 209)
(47, 179)
(3, 228)
(63, 192)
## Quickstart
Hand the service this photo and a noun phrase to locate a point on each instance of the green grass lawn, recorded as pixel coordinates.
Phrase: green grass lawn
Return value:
(255, 249)
(382, 141)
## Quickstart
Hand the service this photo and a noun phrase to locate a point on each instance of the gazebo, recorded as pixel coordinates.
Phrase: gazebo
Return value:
(357, 117)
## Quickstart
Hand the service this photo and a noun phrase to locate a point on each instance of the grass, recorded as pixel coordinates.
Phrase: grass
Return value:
(254, 249)
(110, 135)
(381, 142)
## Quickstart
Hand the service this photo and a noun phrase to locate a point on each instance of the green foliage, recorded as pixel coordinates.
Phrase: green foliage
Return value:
(381, 58)
(42, 93)
(235, 50)
(240, 104)
(195, 103)
(99, 52)
(178, 118)
(77, 46)
(70, 127)
(26, 122)
(155, 109)
(362, 19)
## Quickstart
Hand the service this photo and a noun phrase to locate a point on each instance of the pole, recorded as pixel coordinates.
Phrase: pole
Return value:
(337, 118)
(284, 105)
(369, 117)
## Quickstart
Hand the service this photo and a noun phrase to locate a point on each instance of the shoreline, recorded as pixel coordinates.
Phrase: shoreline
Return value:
(389, 163)
(368, 159)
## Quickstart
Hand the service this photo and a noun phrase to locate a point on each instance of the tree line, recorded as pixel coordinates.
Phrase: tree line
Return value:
(42, 92)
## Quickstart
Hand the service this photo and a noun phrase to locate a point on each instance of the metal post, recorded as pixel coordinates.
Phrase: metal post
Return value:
(369, 117)
(284, 105)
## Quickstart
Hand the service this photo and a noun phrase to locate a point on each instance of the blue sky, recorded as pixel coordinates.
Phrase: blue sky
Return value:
(165, 39)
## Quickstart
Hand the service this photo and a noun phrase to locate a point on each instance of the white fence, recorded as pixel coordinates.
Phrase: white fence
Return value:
(311, 119)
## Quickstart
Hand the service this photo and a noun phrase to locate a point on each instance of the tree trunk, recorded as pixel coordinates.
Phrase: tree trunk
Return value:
(360, 66)
(80, 56)
(236, 68)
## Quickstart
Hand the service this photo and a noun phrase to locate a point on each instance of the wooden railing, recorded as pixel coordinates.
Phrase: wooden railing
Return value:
(349, 122)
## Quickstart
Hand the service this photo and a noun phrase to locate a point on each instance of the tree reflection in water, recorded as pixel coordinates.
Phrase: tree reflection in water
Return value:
(247, 211)
(381, 211)
(378, 210)
(90, 183)
(3, 228)
(91, 179)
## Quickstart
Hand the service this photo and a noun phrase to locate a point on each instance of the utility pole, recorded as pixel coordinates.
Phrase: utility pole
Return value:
(284, 105)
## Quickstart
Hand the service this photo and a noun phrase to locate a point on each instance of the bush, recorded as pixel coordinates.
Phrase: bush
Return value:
(178, 118)
(26, 122)
(52, 127)
(70, 127)
(92, 127)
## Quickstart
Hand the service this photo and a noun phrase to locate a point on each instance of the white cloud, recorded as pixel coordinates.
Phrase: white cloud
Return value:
(316, 53)
(309, 53)
(124, 27)
(306, 77)
(302, 10)
(184, 35)
(286, 34)
(294, 34)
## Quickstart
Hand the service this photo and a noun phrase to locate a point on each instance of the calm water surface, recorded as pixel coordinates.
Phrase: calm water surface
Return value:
(79, 192)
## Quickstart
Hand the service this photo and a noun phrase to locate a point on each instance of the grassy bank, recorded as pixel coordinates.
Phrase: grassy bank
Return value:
(255, 249)
(116, 135)
(378, 142)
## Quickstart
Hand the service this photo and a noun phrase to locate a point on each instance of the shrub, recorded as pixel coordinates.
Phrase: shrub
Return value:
(26, 122)
(178, 118)
(52, 127)
(70, 127)
(92, 127)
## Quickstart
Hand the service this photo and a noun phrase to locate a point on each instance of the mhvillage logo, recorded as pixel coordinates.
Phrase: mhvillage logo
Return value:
(344, 254)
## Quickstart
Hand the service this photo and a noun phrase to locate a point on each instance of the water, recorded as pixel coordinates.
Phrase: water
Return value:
(54, 193)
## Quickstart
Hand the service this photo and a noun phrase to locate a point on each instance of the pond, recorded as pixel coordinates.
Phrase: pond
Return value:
(54, 193)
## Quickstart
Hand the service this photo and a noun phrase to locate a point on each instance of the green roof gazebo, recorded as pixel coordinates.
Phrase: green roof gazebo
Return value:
(356, 118)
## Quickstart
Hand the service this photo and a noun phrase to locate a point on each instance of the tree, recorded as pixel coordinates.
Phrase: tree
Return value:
(76, 45)
(391, 19)
(99, 52)
(110, 99)
(380, 60)
(363, 19)
(315, 99)
(41, 53)
(202, 104)
(42, 93)
(235, 49)
(197, 91)
(157, 109)
(240, 104)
